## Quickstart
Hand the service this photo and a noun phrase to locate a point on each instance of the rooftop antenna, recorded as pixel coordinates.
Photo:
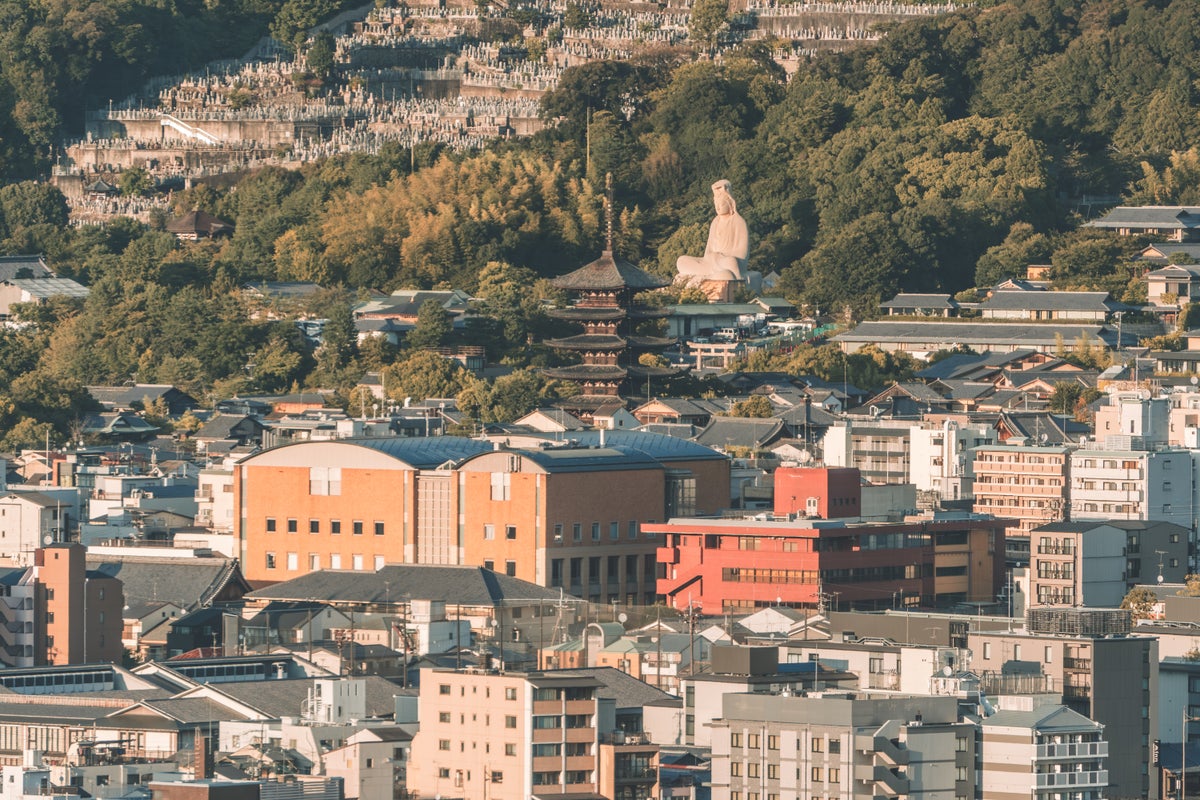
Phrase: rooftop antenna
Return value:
(608, 212)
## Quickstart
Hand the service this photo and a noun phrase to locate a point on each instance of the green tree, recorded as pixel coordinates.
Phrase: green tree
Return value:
(319, 56)
(754, 406)
(1140, 602)
(433, 327)
(135, 182)
(422, 374)
(708, 19)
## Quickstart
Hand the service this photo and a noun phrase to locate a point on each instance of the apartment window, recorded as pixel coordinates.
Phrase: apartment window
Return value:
(735, 769)
(1174, 538)
(633, 529)
(497, 776)
(270, 524)
(443, 744)
(270, 561)
(556, 572)
(335, 527)
(378, 528)
(735, 740)
(577, 531)
(314, 561)
(752, 741)
(335, 561)
(595, 531)
(818, 744)
(510, 721)
(772, 742)
(817, 775)
(443, 772)
(444, 716)
(292, 526)
(835, 775)
(614, 530)
(510, 569)
(489, 531)
(1016, 652)
(510, 749)
(314, 526)
(752, 770)
(772, 772)
(293, 562)
(960, 744)
(49, 618)
(960, 773)
(835, 745)
(510, 532)
(558, 532)
(987, 649)
(357, 527)
(1049, 654)
(356, 562)
(444, 688)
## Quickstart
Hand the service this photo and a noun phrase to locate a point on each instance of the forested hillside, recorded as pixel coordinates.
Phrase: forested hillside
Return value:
(949, 156)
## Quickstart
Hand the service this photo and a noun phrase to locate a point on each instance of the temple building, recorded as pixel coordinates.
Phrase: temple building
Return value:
(609, 345)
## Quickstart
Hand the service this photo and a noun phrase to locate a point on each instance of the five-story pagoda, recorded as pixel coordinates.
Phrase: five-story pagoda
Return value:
(609, 345)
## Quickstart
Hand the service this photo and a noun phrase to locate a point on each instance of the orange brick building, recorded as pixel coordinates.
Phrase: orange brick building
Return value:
(566, 516)
(78, 612)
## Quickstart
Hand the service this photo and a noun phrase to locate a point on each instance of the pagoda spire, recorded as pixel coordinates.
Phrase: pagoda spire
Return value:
(608, 212)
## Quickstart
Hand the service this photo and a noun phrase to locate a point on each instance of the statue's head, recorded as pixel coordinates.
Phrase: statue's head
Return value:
(722, 199)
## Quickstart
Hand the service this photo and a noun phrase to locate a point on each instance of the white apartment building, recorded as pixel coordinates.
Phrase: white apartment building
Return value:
(32, 519)
(1133, 484)
(941, 458)
(1137, 415)
(1048, 752)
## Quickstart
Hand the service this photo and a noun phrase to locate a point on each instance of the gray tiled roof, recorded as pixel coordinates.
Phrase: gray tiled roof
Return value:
(1164, 217)
(945, 334)
(11, 265)
(193, 709)
(285, 698)
(184, 581)
(931, 301)
(626, 690)
(467, 586)
(740, 431)
(609, 273)
(1050, 301)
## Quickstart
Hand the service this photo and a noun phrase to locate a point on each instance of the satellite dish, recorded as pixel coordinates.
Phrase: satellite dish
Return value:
(622, 617)
(1160, 578)
(947, 671)
(1045, 437)
(1195, 380)
(48, 539)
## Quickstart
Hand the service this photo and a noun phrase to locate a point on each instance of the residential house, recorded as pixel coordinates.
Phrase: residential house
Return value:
(1175, 223)
(1059, 306)
(196, 225)
(923, 338)
(920, 305)
(37, 291)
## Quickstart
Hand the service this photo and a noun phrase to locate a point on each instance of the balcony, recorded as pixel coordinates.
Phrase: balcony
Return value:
(637, 775)
(1082, 664)
(1078, 750)
(1077, 692)
(1057, 780)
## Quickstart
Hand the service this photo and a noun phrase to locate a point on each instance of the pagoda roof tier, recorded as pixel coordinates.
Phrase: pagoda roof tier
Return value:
(649, 342)
(589, 341)
(587, 313)
(587, 372)
(586, 402)
(608, 273)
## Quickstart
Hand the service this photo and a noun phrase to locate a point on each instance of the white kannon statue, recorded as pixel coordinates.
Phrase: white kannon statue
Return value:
(728, 245)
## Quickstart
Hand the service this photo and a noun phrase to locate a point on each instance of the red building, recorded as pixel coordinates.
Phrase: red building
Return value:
(822, 492)
(740, 564)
